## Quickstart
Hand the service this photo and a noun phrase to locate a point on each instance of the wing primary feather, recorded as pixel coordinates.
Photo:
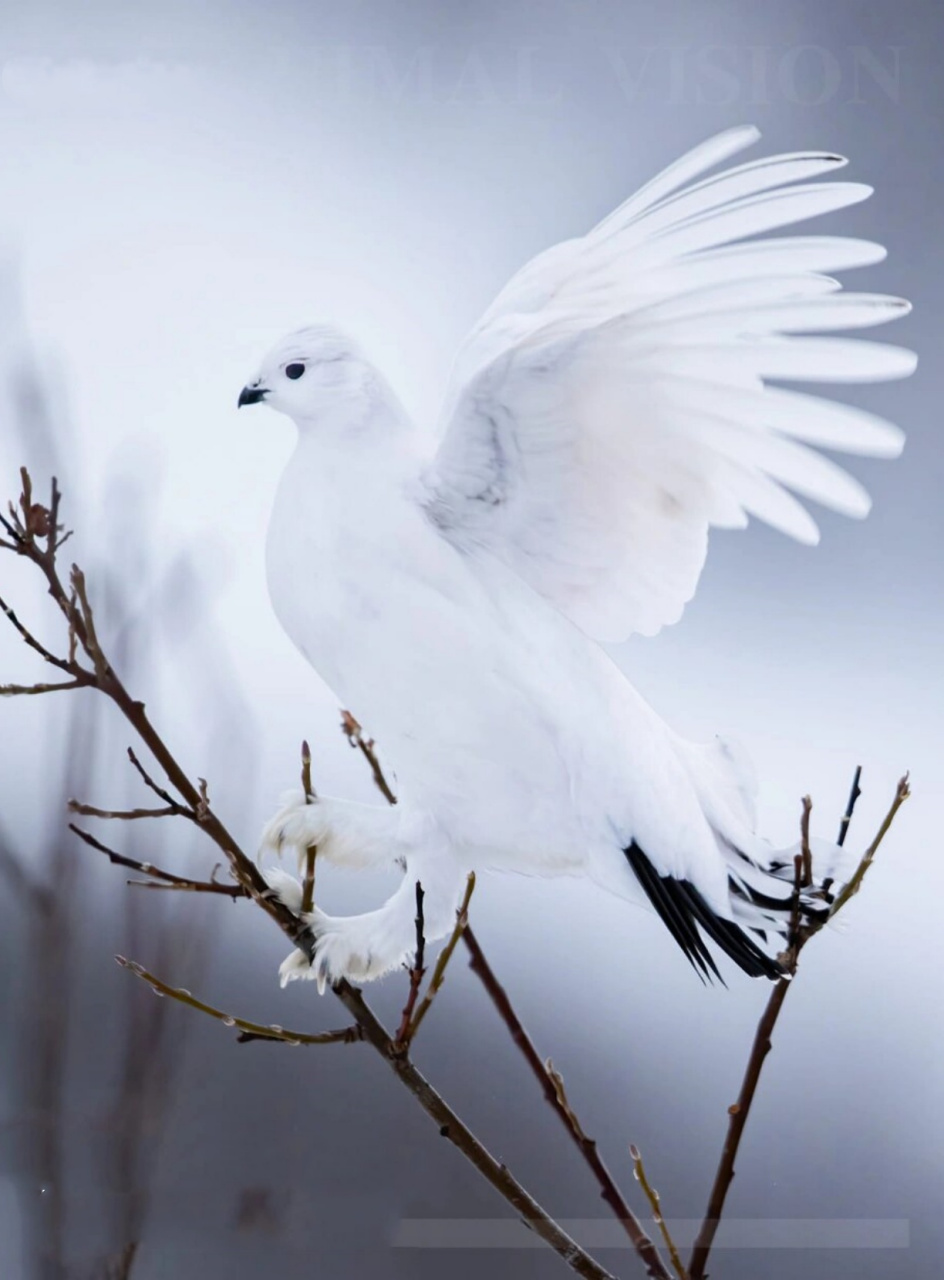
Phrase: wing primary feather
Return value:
(705, 156)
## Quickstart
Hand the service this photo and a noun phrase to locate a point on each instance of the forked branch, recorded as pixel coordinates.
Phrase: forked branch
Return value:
(739, 1111)
(33, 532)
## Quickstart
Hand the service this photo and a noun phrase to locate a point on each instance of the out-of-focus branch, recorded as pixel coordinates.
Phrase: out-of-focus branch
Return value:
(120, 1267)
(37, 540)
(739, 1111)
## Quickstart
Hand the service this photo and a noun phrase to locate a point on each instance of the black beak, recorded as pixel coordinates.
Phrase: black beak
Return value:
(251, 395)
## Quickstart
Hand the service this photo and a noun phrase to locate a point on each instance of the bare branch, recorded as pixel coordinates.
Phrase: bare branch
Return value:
(654, 1200)
(352, 731)
(90, 640)
(28, 638)
(77, 613)
(739, 1111)
(902, 792)
(439, 973)
(127, 815)
(171, 881)
(311, 853)
(552, 1086)
(149, 781)
(17, 690)
(806, 873)
(250, 1030)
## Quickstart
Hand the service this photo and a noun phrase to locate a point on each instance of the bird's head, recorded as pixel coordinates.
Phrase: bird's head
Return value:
(306, 373)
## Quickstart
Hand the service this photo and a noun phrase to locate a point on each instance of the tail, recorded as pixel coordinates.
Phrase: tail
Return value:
(764, 905)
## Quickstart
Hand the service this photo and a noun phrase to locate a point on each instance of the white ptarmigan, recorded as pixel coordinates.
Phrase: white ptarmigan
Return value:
(610, 408)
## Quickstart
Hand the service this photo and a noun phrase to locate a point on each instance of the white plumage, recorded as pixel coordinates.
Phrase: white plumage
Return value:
(610, 408)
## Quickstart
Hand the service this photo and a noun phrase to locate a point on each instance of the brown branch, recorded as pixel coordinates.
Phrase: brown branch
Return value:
(149, 781)
(148, 869)
(552, 1087)
(128, 815)
(806, 855)
(18, 690)
(902, 792)
(249, 1030)
(352, 731)
(439, 973)
(656, 1203)
(76, 610)
(29, 639)
(311, 853)
(739, 1111)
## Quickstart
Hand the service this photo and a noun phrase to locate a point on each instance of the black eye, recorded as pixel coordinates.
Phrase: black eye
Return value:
(294, 371)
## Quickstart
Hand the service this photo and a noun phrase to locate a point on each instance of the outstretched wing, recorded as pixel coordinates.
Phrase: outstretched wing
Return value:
(613, 404)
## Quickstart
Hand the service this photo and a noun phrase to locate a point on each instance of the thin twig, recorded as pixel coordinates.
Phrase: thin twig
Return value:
(119, 1267)
(806, 876)
(552, 1087)
(656, 1203)
(149, 781)
(354, 734)
(739, 1111)
(417, 973)
(903, 791)
(148, 869)
(439, 973)
(29, 639)
(18, 690)
(90, 644)
(250, 1030)
(127, 815)
(311, 853)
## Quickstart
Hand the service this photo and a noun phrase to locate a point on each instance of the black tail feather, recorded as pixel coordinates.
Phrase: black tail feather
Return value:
(683, 909)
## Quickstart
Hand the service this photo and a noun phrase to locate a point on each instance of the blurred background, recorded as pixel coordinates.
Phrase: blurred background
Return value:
(182, 185)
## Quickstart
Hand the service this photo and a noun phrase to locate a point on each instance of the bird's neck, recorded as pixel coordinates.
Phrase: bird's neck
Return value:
(357, 450)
